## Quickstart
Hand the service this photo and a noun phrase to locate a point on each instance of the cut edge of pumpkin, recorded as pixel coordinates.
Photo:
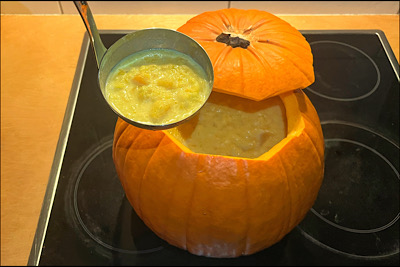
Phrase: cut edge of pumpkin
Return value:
(294, 123)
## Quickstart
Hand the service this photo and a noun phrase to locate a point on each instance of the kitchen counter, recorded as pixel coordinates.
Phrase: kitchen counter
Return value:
(39, 55)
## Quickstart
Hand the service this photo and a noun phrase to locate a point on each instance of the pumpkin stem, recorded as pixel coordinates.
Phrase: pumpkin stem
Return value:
(232, 41)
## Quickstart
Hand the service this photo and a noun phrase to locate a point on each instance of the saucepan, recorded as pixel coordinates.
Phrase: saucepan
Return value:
(141, 40)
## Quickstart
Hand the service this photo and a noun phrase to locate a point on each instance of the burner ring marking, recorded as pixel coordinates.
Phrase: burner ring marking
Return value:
(374, 230)
(378, 80)
(87, 161)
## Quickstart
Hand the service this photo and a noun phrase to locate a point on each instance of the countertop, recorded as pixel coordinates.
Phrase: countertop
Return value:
(39, 55)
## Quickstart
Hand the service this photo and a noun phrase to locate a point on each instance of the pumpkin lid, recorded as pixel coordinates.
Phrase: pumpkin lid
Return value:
(255, 54)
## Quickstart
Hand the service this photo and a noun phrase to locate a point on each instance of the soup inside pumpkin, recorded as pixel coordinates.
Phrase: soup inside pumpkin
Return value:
(233, 126)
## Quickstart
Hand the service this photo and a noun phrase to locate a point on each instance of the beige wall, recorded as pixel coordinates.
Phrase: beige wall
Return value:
(195, 7)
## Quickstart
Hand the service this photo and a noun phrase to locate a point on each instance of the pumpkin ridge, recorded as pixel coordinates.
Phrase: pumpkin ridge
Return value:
(204, 19)
(275, 40)
(287, 31)
(314, 146)
(264, 63)
(141, 180)
(129, 148)
(168, 209)
(190, 204)
(302, 70)
(305, 45)
(321, 160)
(284, 229)
(308, 110)
(286, 48)
(301, 56)
(225, 20)
(209, 26)
(315, 126)
(259, 24)
(119, 130)
(242, 81)
(290, 59)
(271, 42)
(221, 56)
(247, 25)
(127, 151)
(126, 157)
(118, 135)
(244, 167)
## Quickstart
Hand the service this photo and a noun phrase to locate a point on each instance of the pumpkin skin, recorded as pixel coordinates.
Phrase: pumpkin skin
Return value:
(220, 206)
(278, 58)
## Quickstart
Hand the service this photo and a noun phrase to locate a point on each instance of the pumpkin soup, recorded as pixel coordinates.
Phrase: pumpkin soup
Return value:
(157, 86)
(233, 126)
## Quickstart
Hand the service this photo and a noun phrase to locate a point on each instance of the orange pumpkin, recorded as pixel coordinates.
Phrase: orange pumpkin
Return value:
(276, 59)
(227, 206)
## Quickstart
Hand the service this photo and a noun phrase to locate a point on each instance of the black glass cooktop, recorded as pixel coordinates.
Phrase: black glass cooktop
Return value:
(87, 220)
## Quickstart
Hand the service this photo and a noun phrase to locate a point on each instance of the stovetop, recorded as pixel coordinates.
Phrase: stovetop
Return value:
(87, 220)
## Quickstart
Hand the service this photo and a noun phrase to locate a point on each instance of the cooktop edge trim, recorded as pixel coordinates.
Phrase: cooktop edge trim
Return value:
(51, 188)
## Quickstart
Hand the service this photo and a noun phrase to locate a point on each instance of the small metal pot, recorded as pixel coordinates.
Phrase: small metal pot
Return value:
(152, 38)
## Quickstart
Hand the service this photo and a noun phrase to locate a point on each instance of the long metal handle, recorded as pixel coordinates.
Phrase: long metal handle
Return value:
(88, 20)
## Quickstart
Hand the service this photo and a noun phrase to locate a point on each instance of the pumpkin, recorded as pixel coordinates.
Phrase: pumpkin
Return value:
(255, 54)
(226, 206)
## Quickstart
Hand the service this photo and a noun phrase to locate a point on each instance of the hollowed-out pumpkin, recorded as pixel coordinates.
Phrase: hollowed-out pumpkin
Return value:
(220, 204)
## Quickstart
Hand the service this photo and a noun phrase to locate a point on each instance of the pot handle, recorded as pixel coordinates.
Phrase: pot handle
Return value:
(88, 20)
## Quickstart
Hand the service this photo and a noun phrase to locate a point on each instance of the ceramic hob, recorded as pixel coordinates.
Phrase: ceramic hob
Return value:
(87, 220)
